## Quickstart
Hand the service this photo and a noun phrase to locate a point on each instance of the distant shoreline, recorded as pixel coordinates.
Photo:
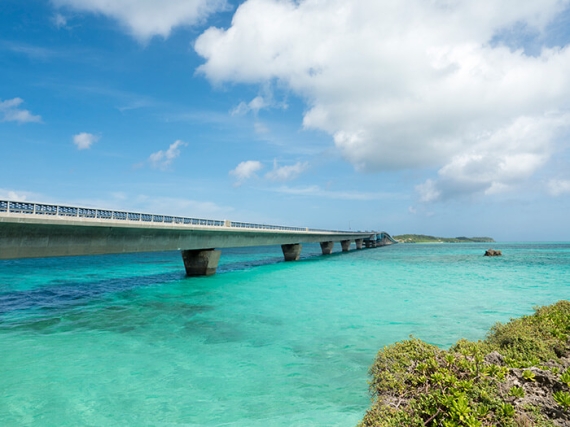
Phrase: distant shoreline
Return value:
(422, 238)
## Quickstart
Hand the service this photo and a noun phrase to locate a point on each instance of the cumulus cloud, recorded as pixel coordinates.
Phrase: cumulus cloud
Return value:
(147, 18)
(410, 84)
(246, 170)
(84, 140)
(10, 112)
(496, 162)
(163, 159)
(286, 173)
(557, 187)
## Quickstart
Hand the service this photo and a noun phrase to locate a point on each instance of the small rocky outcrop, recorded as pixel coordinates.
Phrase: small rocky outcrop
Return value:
(493, 252)
(495, 358)
(539, 388)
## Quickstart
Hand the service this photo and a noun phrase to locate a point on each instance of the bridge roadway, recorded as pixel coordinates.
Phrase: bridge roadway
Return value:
(29, 230)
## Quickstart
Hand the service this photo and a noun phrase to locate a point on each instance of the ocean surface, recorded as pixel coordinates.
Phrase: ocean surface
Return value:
(128, 340)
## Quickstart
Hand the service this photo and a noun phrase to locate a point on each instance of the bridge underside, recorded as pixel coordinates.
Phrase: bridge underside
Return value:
(34, 239)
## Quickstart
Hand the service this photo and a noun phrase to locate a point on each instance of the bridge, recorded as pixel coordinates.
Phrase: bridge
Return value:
(32, 230)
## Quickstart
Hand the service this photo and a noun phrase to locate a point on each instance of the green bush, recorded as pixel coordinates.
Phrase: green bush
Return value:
(535, 339)
(418, 384)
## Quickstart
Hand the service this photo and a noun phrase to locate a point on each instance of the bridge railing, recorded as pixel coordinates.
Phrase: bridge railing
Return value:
(103, 214)
(236, 224)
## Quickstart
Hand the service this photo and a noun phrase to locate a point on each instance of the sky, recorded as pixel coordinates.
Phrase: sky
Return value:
(440, 117)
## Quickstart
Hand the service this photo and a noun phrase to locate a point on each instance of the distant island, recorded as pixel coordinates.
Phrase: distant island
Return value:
(420, 238)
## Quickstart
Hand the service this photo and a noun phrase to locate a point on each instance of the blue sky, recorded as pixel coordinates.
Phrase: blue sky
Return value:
(447, 118)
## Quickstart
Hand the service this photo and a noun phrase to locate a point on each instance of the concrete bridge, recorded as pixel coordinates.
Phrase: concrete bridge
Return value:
(29, 230)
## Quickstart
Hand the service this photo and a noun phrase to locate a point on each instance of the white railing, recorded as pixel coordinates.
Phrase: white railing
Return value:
(75, 212)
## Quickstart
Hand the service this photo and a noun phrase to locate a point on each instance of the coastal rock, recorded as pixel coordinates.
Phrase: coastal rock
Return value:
(492, 252)
(538, 393)
(495, 358)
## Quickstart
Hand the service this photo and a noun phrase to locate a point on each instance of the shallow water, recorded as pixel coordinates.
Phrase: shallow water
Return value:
(129, 340)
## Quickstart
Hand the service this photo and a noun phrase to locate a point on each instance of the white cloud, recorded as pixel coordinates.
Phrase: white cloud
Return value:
(286, 173)
(557, 187)
(428, 191)
(254, 106)
(408, 83)
(241, 109)
(59, 20)
(147, 18)
(84, 140)
(260, 128)
(163, 159)
(497, 162)
(246, 170)
(17, 196)
(11, 112)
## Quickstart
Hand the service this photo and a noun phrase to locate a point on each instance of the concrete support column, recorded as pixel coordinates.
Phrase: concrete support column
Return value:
(358, 243)
(291, 252)
(327, 247)
(201, 262)
(345, 245)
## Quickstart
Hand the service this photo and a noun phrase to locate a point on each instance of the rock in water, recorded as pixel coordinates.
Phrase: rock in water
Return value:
(492, 252)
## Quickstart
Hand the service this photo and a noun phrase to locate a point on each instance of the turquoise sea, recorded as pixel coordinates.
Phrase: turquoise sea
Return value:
(128, 340)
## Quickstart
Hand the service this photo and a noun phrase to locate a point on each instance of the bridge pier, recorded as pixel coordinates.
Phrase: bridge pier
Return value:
(359, 243)
(327, 247)
(345, 245)
(291, 252)
(201, 262)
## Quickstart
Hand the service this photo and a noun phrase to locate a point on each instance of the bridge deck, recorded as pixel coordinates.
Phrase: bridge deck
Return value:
(29, 230)
(39, 230)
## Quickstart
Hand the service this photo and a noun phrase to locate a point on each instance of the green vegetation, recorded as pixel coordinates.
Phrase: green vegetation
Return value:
(516, 392)
(420, 238)
(563, 399)
(515, 377)
(565, 377)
